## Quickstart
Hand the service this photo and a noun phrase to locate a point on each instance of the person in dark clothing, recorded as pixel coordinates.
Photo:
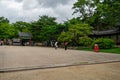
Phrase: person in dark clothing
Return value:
(65, 44)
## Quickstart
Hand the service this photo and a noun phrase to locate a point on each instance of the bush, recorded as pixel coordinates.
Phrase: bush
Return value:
(104, 43)
(85, 41)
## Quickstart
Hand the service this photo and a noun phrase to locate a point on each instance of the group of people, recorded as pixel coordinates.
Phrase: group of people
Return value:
(6, 42)
(56, 45)
(1, 42)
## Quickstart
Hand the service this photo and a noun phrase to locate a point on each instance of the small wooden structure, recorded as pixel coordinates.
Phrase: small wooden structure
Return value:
(26, 38)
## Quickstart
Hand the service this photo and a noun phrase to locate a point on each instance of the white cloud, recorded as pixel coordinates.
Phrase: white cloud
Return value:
(30, 4)
(52, 3)
(30, 10)
(64, 11)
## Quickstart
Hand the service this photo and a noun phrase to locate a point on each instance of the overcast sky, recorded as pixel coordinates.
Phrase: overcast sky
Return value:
(30, 10)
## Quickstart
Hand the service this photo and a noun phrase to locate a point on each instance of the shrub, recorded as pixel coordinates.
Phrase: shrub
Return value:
(104, 43)
(85, 41)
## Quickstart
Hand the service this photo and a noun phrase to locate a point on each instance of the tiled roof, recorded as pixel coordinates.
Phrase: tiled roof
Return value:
(107, 32)
(25, 35)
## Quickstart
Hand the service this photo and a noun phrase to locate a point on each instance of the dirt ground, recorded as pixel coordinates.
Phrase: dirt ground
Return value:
(17, 57)
(106, 71)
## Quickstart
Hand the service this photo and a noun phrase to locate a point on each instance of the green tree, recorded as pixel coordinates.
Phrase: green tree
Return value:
(85, 9)
(65, 26)
(85, 41)
(65, 36)
(3, 20)
(7, 31)
(48, 33)
(102, 14)
(80, 30)
(21, 26)
(44, 28)
(35, 30)
(46, 20)
(75, 32)
(111, 11)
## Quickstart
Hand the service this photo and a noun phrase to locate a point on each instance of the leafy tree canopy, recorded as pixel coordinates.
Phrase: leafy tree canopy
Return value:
(44, 28)
(102, 14)
(65, 36)
(80, 29)
(21, 26)
(3, 20)
(74, 32)
(6, 31)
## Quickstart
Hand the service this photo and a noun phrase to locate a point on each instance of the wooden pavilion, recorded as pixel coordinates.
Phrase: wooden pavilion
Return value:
(26, 38)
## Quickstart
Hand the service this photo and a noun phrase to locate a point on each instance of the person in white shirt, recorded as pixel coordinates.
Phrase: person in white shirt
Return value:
(56, 45)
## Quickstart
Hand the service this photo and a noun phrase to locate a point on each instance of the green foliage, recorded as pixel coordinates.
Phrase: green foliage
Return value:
(112, 50)
(70, 22)
(21, 26)
(44, 29)
(104, 43)
(77, 29)
(6, 31)
(85, 41)
(46, 21)
(102, 14)
(84, 8)
(111, 11)
(74, 32)
(65, 36)
(74, 21)
(3, 20)
(80, 30)
(48, 33)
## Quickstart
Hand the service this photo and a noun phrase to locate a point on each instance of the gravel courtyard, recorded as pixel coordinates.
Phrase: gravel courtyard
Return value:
(21, 58)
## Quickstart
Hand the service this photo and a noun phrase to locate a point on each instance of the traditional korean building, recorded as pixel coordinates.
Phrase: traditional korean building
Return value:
(112, 34)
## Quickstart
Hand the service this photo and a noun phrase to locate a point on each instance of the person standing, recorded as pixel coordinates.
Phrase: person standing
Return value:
(65, 44)
(56, 45)
(51, 43)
